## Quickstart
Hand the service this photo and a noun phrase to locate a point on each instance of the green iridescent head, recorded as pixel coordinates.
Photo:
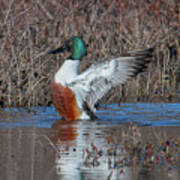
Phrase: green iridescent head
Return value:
(75, 45)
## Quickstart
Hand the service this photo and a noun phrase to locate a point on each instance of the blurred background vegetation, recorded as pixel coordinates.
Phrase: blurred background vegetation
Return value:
(29, 28)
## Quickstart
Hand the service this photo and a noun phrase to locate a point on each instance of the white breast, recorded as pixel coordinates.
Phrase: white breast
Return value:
(67, 72)
(66, 75)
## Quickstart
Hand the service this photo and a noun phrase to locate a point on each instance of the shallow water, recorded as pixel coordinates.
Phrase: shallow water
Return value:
(36, 144)
(153, 114)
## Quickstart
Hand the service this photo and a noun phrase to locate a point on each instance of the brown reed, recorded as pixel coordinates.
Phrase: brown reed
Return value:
(29, 29)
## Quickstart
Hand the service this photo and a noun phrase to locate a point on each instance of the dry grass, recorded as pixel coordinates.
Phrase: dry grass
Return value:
(30, 28)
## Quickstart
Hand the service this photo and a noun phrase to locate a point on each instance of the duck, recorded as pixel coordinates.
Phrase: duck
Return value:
(75, 94)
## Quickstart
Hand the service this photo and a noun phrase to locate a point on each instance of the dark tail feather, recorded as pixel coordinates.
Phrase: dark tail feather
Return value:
(89, 111)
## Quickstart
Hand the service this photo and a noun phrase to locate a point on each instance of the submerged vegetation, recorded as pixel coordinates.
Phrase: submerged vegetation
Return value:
(30, 28)
(144, 150)
(130, 150)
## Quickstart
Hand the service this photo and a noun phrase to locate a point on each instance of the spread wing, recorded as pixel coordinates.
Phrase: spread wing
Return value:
(97, 80)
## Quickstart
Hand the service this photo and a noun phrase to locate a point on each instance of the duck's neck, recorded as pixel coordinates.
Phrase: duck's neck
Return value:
(67, 72)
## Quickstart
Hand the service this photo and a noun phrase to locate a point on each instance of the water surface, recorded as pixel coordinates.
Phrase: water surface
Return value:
(36, 144)
(153, 114)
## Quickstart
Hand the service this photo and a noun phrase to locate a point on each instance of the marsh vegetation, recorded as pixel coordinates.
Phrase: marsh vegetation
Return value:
(29, 29)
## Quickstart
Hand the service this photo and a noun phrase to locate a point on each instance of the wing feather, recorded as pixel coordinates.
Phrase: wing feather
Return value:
(97, 80)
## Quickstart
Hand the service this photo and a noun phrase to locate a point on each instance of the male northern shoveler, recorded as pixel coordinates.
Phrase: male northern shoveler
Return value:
(75, 95)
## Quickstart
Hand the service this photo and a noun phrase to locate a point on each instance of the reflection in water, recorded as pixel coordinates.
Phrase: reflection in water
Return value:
(68, 155)
(91, 149)
(83, 153)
